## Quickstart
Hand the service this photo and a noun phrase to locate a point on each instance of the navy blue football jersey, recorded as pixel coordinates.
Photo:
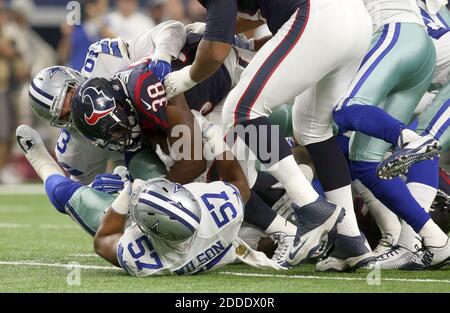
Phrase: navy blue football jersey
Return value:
(147, 92)
(222, 15)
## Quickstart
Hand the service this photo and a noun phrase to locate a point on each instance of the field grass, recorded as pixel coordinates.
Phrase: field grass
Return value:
(37, 244)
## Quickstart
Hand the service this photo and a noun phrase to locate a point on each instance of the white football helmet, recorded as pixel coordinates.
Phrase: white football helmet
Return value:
(48, 90)
(166, 210)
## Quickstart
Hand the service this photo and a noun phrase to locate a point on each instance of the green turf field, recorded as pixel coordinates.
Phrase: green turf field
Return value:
(37, 244)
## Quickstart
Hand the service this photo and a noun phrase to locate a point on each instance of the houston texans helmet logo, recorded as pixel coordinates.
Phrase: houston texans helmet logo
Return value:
(101, 105)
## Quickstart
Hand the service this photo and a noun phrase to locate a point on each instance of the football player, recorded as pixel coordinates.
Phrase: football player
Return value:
(176, 229)
(422, 177)
(386, 80)
(51, 90)
(286, 65)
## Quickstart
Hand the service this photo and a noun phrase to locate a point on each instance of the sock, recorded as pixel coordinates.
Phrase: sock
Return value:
(258, 213)
(273, 151)
(343, 197)
(409, 238)
(380, 124)
(43, 163)
(432, 235)
(291, 177)
(280, 224)
(59, 190)
(263, 187)
(392, 193)
(407, 136)
(334, 176)
(386, 220)
(423, 194)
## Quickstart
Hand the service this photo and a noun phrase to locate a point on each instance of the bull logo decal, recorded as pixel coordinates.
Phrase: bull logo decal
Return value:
(101, 105)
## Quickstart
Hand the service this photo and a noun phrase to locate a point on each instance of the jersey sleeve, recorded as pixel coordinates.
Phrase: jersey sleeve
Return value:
(220, 20)
(136, 255)
(151, 102)
(105, 57)
(165, 39)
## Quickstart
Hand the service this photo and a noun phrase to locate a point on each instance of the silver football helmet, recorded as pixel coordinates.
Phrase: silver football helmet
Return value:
(48, 90)
(165, 210)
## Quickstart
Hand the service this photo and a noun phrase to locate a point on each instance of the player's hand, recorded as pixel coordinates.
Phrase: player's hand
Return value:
(160, 68)
(178, 82)
(244, 43)
(197, 27)
(108, 183)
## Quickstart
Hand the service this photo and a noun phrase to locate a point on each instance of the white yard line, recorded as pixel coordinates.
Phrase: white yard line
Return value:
(14, 209)
(25, 189)
(98, 267)
(43, 226)
(411, 280)
(13, 225)
(84, 255)
(71, 266)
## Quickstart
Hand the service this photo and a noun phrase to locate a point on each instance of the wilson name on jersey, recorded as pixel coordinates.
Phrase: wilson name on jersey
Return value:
(211, 247)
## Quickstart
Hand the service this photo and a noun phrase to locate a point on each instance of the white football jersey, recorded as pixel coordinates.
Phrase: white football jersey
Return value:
(77, 155)
(108, 56)
(211, 246)
(80, 158)
(393, 11)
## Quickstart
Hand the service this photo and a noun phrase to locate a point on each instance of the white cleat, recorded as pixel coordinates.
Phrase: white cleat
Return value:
(385, 244)
(430, 258)
(395, 258)
(415, 151)
(28, 138)
(284, 242)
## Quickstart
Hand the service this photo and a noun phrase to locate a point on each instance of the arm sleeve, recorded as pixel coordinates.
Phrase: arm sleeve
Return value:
(220, 20)
(165, 41)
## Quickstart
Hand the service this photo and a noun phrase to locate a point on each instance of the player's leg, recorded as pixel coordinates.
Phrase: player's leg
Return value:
(264, 86)
(312, 115)
(83, 204)
(392, 60)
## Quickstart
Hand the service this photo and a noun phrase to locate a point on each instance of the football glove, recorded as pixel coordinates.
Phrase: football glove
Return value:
(160, 68)
(108, 183)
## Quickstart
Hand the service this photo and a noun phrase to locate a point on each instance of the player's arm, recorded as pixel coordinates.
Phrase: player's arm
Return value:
(245, 25)
(226, 163)
(184, 135)
(164, 42)
(112, 227)
(212, 49)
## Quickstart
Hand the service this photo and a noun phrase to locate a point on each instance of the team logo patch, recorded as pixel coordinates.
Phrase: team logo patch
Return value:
(101, 105)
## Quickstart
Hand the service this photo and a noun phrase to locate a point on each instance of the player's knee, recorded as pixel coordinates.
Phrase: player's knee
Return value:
(59, 190)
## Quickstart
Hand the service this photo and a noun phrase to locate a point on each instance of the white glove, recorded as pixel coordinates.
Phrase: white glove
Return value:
(178, 82)
(121, 204)
(137, 184)
(197, 27)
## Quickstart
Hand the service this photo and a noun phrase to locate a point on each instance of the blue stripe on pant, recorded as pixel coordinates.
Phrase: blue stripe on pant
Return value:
(438, 131)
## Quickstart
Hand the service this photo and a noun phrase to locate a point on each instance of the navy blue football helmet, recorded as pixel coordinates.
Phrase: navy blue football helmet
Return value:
(102, 112)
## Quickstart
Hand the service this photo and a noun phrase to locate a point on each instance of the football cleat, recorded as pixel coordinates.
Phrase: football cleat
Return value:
(349, 254)
(28, 139)
(284, 242)
(386, 243)
(430, 258)
(400, 161)
(395, 258)
(316, 230)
